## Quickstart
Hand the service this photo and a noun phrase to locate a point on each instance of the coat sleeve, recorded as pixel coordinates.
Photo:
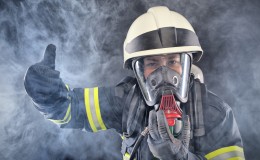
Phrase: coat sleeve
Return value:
(90, 109)
(222, 139)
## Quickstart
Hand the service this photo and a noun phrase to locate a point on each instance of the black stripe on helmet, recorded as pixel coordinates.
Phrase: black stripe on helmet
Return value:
(163, 38)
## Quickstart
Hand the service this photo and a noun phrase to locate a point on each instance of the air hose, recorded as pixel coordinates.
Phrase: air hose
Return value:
(138, 142)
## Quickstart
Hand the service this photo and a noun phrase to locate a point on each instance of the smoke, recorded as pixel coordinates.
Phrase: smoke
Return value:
(89, 37)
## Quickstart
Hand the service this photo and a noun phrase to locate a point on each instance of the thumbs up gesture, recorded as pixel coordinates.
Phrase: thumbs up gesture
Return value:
(42, 82)
(49, 57)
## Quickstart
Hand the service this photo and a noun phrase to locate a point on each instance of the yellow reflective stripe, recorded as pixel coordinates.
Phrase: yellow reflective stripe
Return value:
(93, 109)
(66, 119)
(98, 113)
(230, 149)
(126, 156)
(67, 116)
(88, 110)
(67, 86)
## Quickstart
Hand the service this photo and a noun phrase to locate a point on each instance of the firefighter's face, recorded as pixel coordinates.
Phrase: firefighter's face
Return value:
(172, 61)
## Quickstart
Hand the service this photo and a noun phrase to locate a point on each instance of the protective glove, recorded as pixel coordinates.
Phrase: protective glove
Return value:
(162, 143)
(42, 82)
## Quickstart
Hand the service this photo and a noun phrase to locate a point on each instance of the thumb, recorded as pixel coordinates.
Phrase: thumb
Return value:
(49, 56)
(186, 131)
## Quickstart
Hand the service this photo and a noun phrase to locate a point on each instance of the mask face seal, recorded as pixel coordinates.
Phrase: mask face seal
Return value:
(164, 74)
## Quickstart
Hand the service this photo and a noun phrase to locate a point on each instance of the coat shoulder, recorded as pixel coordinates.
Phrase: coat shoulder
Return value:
(215, 111)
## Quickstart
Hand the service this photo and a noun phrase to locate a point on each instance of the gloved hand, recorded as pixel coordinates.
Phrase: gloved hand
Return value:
(162, 143)
(42, 82)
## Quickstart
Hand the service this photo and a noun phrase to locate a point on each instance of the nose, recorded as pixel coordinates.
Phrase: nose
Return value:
(163, 61)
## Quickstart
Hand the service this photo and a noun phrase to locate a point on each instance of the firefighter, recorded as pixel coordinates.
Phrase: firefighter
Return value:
(165, 112)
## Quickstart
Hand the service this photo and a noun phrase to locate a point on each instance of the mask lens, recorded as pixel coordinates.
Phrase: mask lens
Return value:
(172, 61)
(159, 74)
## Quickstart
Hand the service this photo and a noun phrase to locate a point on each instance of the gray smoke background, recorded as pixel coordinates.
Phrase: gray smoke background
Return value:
(89, 37)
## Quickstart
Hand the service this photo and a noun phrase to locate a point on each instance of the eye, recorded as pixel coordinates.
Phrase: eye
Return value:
(151, 64)
(172, 62)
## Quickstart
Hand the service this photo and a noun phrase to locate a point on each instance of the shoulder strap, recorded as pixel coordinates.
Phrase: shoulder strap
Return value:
(126, 108)
(198, 98)
(197, 101)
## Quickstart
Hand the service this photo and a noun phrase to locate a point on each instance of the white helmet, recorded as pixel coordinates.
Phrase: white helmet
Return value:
(162, 34)
(160, 31)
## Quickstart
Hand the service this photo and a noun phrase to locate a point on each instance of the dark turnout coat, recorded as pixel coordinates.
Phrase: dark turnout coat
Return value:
(214, 131)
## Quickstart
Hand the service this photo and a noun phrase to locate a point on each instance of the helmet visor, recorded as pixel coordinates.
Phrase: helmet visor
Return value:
(163, 74)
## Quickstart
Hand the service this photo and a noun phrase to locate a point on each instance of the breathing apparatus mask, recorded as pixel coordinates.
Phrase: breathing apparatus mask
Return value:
(163, 75)
(164, 83)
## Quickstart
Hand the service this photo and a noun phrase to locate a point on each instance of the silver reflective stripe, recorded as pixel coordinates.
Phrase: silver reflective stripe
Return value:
(93, 109)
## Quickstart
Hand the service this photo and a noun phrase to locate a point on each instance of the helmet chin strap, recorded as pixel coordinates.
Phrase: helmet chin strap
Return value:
(173, 113)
